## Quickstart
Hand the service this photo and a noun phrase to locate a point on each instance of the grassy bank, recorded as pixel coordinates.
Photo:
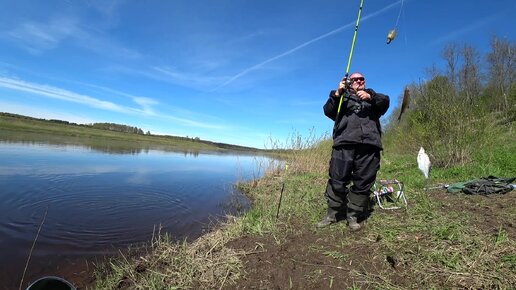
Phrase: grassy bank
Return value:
(20, 128)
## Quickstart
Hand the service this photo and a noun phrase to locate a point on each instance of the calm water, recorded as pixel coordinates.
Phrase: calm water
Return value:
(98, 202)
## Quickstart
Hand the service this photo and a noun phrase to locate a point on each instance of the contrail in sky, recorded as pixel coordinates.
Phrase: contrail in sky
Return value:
(257, 66)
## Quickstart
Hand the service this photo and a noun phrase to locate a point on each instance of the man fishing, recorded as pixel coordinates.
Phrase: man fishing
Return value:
(356, 149)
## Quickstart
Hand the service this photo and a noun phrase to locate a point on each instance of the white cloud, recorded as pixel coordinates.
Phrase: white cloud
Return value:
(38, 37)
(61, 94)
(63, 169)
(43, 113)
(191, 80)
(146, 104)
(172, 75)
(65, 95)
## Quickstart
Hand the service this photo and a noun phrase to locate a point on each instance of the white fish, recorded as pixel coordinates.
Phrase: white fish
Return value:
(423, 162)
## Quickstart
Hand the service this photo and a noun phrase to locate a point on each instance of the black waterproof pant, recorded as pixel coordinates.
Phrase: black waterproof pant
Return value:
(357, 163)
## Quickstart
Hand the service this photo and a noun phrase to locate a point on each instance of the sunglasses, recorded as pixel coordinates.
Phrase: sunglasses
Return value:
(358, 79)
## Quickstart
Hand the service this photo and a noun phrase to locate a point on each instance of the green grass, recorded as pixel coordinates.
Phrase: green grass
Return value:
(21, 128)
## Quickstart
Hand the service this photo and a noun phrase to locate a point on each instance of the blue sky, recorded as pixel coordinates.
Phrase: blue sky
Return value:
(234, 71)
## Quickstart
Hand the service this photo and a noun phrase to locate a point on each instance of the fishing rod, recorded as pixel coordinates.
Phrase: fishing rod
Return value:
(281, 191)
(32, 248)
(348, 81)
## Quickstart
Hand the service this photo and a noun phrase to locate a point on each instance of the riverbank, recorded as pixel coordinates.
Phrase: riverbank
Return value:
(23, 128)
(441, 240)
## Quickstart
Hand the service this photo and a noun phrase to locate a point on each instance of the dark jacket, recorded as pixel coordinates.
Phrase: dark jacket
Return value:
(358, 121)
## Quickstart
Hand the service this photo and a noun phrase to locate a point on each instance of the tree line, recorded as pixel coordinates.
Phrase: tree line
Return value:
(118, 128)
(462, 108)
(102, 126)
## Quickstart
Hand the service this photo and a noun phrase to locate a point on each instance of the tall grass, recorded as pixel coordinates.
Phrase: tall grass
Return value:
(166, 264)
(304, 154)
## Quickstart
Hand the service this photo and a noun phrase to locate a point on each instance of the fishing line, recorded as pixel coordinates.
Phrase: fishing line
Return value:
(399, 14)
(392, 33)
(405, 31)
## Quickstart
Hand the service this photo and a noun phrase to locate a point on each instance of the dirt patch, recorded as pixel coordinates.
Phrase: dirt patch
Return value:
(310, 259)
(319, 259)
(487, 212)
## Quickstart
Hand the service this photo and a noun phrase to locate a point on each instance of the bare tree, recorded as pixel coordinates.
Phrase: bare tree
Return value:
(469, 75)
(451, 57)
(502, 69)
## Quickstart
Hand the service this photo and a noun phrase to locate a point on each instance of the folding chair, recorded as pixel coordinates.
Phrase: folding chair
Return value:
(389, 194)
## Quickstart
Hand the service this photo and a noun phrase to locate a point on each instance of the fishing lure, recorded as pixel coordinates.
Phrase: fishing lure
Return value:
(391, 35)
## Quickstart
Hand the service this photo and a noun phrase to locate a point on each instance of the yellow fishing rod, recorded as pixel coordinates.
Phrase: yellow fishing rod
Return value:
(347, 84)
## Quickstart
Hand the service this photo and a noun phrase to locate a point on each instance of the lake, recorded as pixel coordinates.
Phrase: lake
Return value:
(93, 202)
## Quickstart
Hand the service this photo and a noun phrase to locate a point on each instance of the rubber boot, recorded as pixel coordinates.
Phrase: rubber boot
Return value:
(330, 218)
(353, 224)
(352, 219)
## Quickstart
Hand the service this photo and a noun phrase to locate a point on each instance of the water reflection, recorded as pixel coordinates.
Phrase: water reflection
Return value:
(105, 196)
(110, 146)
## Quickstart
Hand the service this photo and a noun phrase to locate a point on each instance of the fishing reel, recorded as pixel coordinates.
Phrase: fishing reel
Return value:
(347, 83)
(347, 91)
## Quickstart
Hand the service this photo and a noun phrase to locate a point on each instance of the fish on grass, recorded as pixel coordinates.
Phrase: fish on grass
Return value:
(423, 162)
(405, 103)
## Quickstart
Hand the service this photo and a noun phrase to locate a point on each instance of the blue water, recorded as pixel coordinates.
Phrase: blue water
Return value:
(97, 203)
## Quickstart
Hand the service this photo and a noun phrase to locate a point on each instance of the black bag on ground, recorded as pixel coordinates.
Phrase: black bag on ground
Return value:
(489, 185)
